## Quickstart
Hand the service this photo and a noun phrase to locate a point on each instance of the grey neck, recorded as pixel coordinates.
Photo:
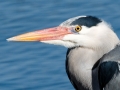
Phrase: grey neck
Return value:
(80, 62)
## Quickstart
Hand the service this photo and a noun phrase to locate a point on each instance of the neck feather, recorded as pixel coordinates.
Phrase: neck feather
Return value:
(80, 62)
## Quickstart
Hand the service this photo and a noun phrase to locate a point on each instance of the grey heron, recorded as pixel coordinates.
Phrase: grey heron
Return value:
(93, 56)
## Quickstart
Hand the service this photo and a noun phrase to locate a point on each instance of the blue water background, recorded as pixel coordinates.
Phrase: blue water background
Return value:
(35, 65)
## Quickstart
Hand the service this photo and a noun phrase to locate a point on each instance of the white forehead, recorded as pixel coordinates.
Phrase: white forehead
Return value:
(69, 21)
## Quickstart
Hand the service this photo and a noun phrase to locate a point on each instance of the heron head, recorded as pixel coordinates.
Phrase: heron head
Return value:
(85, 31)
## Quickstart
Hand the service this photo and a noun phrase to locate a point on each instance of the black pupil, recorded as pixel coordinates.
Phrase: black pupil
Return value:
(78, 28)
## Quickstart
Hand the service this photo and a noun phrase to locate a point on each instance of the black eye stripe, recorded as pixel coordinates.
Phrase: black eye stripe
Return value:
(88, 21)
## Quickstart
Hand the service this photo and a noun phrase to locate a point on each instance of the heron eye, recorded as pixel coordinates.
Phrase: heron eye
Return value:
(78, 28)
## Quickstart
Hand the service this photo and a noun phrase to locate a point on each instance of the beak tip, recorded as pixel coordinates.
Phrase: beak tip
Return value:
(11, 39)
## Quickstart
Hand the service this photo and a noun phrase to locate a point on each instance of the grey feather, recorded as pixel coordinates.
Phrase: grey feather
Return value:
(109, 74)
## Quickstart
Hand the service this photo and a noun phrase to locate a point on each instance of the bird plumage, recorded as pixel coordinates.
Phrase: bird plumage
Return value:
(81, 60)
(109, 70)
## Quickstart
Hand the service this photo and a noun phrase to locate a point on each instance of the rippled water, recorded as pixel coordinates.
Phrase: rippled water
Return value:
(39, 66)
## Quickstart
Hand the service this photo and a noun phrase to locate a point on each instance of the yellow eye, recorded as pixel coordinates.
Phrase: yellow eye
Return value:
(78, 28)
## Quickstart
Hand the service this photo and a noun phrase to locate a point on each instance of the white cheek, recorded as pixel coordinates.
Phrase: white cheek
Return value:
(60, 42)
(69, 37)
(84, 30)
(75, 38)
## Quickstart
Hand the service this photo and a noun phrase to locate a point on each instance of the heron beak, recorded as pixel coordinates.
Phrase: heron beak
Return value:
(55, 33)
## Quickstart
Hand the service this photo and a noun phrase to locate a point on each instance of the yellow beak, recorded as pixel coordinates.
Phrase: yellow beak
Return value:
(55, 33)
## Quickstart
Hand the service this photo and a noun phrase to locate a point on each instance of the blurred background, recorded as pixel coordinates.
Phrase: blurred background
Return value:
(35, 65)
